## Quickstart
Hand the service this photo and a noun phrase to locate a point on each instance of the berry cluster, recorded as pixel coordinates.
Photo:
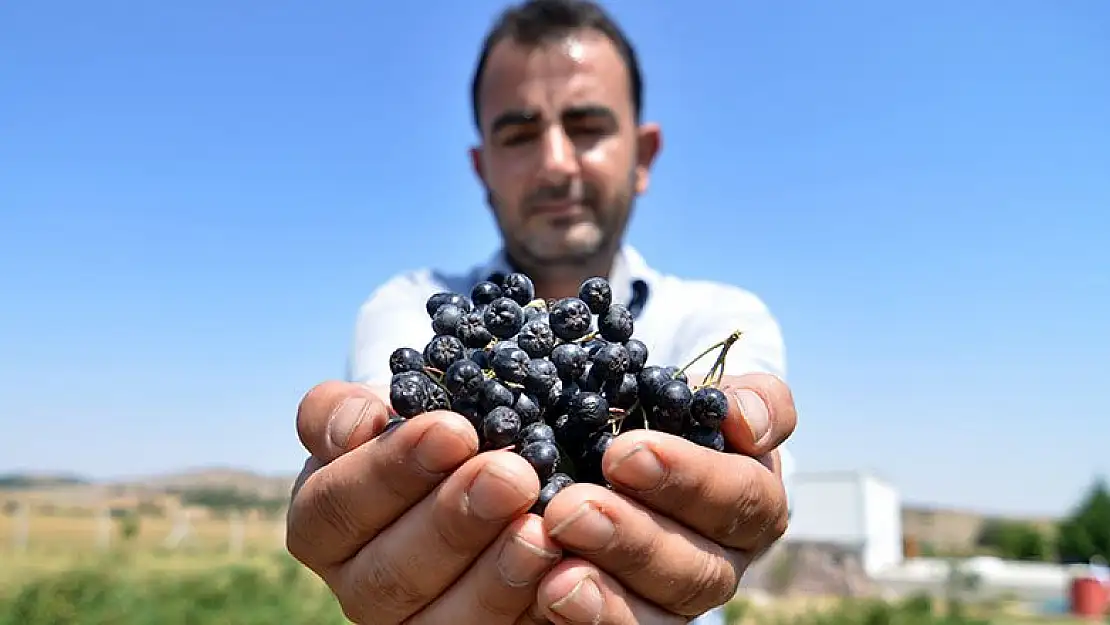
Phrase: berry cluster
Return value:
(553, 380)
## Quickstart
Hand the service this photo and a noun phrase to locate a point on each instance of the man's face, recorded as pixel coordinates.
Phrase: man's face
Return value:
(562, 157)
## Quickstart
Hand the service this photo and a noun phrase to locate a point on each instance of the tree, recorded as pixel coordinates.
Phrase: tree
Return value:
(128, 525)
(1014, 540)
(1086, 532)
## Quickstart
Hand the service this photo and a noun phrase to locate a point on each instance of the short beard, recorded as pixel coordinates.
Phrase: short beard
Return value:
(524, 252)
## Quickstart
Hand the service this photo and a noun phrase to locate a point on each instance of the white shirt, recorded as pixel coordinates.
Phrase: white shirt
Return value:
(677, 319)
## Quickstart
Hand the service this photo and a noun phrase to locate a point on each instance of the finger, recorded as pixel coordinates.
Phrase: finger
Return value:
(343, 505)
(733, 500)
(418, 557)
(650, 555)
(335, 417)
(502, 584)
(576, 592)
(756, 426)
(761, 413)
(311, 465)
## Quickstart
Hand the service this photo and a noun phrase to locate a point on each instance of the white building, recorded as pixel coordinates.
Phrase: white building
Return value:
(1030, 581)
(853, 511)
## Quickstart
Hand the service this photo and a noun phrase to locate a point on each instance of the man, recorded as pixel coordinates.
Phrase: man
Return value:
(413, 525)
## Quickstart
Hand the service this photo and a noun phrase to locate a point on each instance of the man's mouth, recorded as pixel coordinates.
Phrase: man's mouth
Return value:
(559, 209)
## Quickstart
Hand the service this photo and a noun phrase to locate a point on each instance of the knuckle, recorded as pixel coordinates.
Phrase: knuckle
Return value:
(386, 586)
(298, 542)
(686, 493)
(632, 558)
(751, 508)
(318, 512)
(745, 508)
(330, 505)
(494, 603)
(452, 526)
(353, 612)
(711, 582)
(774, 525)
(400, 483)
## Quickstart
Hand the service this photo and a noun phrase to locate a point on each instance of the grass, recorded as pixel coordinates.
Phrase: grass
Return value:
(134, 587)
(138, 589)
(63, 577)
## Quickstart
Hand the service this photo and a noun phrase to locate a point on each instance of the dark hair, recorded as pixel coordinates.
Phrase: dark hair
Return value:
(534, 22)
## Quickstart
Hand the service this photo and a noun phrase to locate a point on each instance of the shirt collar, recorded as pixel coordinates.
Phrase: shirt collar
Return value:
(630, 276)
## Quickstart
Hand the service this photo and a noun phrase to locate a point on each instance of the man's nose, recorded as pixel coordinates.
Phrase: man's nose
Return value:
(559, 158)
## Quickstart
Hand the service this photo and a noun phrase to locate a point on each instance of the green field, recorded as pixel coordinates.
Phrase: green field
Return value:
(60, 571)
(142, 587)
(148, 589)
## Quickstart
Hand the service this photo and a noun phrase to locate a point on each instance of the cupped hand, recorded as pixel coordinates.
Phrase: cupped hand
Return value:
(682, 523)
(409, 524)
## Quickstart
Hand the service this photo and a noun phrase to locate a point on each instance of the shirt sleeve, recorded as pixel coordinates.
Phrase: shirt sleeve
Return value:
(392, 317)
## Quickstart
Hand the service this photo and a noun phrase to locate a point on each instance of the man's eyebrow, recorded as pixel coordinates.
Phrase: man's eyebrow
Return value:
(590, 111)
(518, 117)
(525, 117)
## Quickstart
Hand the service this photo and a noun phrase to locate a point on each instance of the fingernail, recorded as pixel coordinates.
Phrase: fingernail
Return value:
(639, 469)
(521, 563)
(442, 448)
(496, 493)
(588, 529)
(755, 413)
(346, 417)
(392, 424)
(583, 604)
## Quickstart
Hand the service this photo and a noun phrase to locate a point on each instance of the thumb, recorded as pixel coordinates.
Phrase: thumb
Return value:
(761, 413)
(336, 417)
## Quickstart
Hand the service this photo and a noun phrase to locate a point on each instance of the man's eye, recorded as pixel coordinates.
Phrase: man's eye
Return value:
(517, 136)
(588, 129)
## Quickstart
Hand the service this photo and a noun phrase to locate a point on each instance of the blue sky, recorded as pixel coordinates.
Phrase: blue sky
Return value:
(195, 198)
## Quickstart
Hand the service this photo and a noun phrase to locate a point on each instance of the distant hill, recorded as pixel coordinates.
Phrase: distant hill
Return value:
(216, 488)
(263, 486)
(29, 481)
(246, 481)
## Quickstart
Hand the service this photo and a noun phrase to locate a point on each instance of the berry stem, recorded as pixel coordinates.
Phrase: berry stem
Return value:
(637, 406)
(435, 375)
(717, 371)
(723, 345)
(586, 339)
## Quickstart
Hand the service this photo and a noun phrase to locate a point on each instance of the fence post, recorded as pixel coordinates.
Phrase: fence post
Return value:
(103, 529)
(21, 532)
(181, 530)
(235, 538)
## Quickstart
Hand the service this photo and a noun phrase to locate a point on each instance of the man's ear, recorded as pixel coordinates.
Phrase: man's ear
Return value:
(649, 140)
(476, 164)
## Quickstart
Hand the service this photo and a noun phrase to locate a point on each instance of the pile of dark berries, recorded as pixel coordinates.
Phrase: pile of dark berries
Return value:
(553, 380)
